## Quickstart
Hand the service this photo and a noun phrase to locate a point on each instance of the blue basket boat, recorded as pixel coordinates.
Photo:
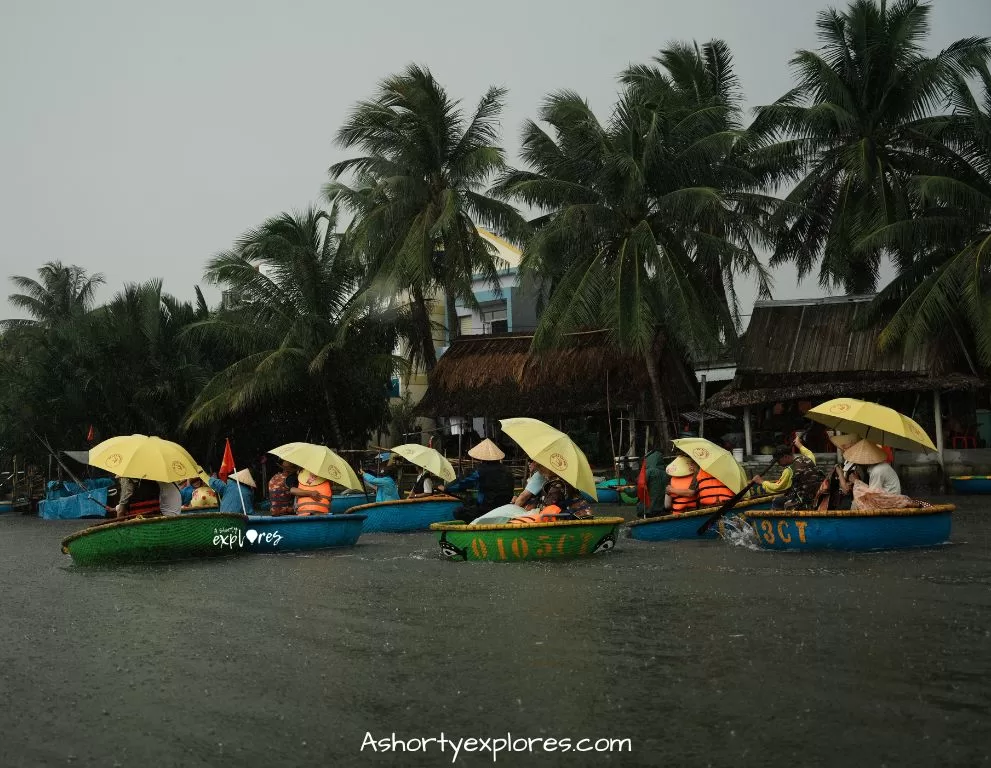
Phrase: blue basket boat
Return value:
(293, 533)
(686, 525)
(343, 502)
(853, 530)
(6, 507)
(408, 514)
(971, 483)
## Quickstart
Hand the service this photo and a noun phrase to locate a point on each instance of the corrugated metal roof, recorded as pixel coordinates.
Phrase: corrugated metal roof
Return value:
(820, 336)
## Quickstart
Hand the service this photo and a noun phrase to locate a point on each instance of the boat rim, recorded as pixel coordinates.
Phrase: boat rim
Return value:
(935, 509)
(704, 511)
(418, 500)
(451, 526)
(305, 518)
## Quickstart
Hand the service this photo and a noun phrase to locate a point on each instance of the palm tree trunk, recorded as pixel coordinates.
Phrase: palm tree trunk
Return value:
(453, 327)
(426, 340)
(657, 396)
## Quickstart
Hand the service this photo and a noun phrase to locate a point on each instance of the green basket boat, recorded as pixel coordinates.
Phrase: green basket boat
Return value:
(527, 541)
(158, 539)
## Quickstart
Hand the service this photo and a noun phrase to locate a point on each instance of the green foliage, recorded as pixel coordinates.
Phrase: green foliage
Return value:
(854, 133)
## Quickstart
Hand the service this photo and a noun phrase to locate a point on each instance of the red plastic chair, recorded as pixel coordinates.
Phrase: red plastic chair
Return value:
(966, 439)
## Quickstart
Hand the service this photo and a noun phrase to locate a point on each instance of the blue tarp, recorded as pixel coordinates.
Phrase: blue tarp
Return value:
(61, 506)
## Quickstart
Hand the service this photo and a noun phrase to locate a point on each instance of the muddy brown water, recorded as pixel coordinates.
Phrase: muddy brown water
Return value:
(699, 653)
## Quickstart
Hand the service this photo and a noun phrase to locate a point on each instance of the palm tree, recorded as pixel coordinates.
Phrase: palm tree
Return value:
(418, 192)
(949, 283)
(849, 135)
(61, 293)
(644, 218)
(296, 332)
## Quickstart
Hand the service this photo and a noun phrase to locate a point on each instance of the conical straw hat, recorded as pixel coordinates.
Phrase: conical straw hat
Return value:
(487, 451)
(843, 441)
(680, 467)
(244, 477)
(864, 452)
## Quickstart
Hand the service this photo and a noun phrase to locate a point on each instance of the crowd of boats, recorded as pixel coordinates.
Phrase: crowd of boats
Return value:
(558, 518)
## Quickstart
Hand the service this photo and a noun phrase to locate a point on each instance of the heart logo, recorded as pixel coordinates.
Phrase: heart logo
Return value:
(251, 534)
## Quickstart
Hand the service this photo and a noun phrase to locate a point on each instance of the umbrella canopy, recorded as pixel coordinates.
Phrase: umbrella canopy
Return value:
(873, 422)
(427, 458)
(321, 461)
(145, 458)
(717, 461)
(553, 449)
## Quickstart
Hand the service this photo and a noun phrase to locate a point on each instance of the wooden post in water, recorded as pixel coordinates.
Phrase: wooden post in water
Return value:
(747, 439)
(938, 415)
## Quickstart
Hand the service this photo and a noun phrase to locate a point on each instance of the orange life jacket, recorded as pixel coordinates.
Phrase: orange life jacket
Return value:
(712, 492)
(681, 504)
(306, 505)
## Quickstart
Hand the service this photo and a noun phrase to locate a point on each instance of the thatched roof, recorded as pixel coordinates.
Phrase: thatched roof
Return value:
(815, 348)
(495, 376)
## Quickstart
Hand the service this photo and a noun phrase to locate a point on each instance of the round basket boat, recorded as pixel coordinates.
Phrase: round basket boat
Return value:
(853, 530)
(157, 539)
(971, 483)
(686, 525)
(527, 541)
(407, 514)
(6, 506)
(294, 533)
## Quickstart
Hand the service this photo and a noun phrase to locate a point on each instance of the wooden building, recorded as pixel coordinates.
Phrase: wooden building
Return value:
(798, 353)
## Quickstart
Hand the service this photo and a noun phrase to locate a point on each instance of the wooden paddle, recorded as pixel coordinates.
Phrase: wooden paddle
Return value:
(711, 519)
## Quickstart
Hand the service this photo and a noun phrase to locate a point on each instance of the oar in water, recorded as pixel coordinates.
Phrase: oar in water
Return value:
(711, 519)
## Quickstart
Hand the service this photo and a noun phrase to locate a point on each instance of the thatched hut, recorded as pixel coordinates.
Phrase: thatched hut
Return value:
(497, 376)
(801, 352)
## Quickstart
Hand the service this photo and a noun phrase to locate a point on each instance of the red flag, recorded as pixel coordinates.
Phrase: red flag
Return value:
(90, 436)
(227, 465)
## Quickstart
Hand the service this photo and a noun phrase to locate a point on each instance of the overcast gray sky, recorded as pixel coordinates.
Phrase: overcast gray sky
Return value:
(138, 138)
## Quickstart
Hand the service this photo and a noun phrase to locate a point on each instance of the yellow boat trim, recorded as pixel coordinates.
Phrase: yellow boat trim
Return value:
(703, 512)
(907, 512)
(417, 500)
(971, 477)
(525, 526)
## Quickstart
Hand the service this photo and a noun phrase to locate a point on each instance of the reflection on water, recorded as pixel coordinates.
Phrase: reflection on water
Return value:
(701, 653)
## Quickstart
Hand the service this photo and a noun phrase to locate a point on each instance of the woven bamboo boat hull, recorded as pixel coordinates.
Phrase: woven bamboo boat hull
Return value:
(860, 530)
(407, 514)
(292, 533)
(971, 484)
(529, 541)
(157, 539)
(686, 525)
(344, 502)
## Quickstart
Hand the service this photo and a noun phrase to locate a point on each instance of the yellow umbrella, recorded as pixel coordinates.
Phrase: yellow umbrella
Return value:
(145, 458)
(873, 422)
(427, 458)
(321, 461)
(554, 450)
(717, 461)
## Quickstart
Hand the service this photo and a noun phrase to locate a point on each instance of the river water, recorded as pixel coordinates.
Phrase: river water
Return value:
(698, 652)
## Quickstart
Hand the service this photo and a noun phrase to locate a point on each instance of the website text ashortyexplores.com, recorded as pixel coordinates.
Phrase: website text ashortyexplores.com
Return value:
(493, 745)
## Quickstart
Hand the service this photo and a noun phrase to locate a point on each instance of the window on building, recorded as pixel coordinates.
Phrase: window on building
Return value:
(494, 318)
(465, 326)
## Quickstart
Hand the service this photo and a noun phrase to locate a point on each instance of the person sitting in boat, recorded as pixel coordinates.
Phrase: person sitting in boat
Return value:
(806, 479)
(534, 485)
(237, 494)
(169, 499)
(385, 485)
(561, 498)
(426, 484)
(881, 475)
(312, 494)
(712, 492)
(493, 480)
(843, 474)
(785, 458)
(138, 498)
(280, 487)
(681, 495)
(195, 494)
